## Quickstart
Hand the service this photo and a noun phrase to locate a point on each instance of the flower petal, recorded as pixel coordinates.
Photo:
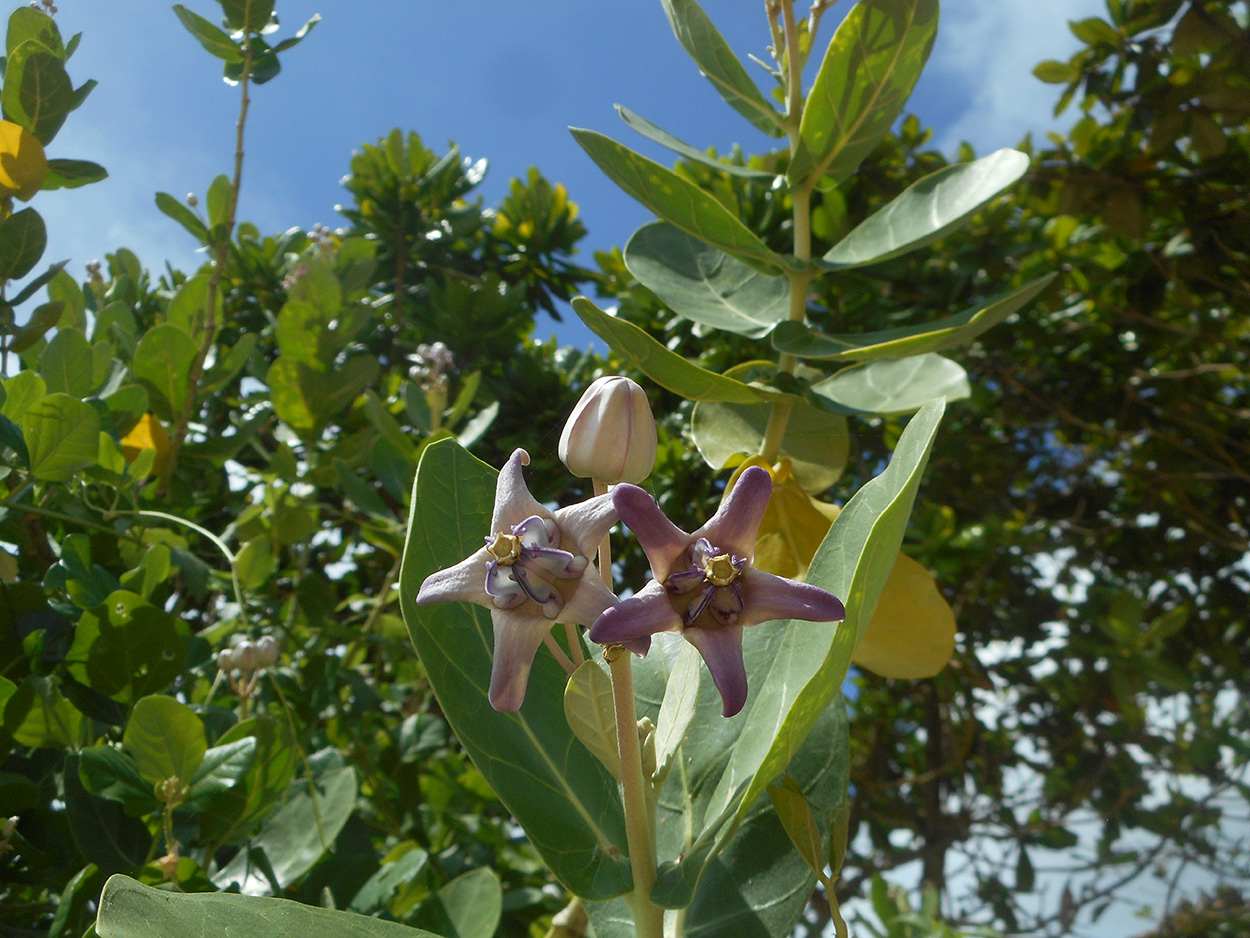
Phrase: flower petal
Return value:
(646, 612)
(736, 522)
(517, 637)
(537, 532)
(769, 597)
(722, 651)
(662, 540)
(583, 525)
(465, 582)
(513, 501)
(589, 600)
(502, 586)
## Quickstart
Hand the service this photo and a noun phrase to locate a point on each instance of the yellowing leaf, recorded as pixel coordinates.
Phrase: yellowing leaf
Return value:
(148, 433)
(794, 523)
(23, 164)
(912, 632)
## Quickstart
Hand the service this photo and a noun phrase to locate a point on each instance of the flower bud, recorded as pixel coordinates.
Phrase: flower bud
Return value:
(246, 656)
(610, 436)
(267, 651)
(226, 660)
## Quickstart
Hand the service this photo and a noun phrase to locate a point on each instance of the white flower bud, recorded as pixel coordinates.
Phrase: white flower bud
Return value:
(610, 435)
(267, 651)
(226, 660)
(9, 827)
(246, 656)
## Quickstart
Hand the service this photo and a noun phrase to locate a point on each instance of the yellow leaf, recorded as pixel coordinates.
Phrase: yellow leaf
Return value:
(148, 433)
(794, 523)
(23, 164)
(912, 632)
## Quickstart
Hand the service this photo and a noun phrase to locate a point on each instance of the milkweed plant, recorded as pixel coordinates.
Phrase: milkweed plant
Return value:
(634, 728)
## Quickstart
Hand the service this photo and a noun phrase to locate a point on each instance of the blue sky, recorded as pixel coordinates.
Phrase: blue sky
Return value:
(502, 79)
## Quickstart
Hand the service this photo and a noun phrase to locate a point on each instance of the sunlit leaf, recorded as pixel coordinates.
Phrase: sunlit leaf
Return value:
(912, 632)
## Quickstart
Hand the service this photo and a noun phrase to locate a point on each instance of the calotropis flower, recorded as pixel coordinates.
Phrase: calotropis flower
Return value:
(705, 587)
(532, 571)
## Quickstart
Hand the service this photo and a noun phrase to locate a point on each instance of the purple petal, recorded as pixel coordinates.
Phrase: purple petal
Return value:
(662, 540)
(513, 501)
(726, 606)
(770, 597)
(643, 614)
(685, 581)
(503, 587)
(735, 523)
(722, 650)
(549, 562)
(539, 590)
(517, 637)
(583, 524)
(589, 600)
(535, 532)
(461, 583)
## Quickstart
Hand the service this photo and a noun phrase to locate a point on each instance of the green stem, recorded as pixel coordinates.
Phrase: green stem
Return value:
(648, 918)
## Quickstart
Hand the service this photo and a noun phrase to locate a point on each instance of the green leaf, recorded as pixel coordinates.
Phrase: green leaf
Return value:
(31, 23)
(223, 768)
(62, 434)
(678, 201)
(53, 276)
(1094, 31)
(664, 367)
(804, 342)
(716, 60)
(295, 838)
(816, 441)
(665, 139)
(251, 15)
(183, 215)
(870, 68)
(926, 210)
(591, 714)
(131, 910)
(104, 834)
(11, 438)
(896, 386)
(70, 174)
(165, 738)
(187, 307)
(37, 91)
(218, 202)
(796, 817)
(677, 710)
(229, 815)
(20, 391)
(162, 364)
(470, 906)
(23, 239)
(230, 363)
(395, 873)
(566, 801)
(293, 41)
(256, 563)
(704, 284)
(214, 41)
(387, 425)
(853, 563)
(41, 320)
(66, 364)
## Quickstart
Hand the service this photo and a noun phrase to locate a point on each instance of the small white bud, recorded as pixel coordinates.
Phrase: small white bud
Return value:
(226, 660)
(9, 827)
(192, 199)
(610, 435)
(247, 656)
(267, 651)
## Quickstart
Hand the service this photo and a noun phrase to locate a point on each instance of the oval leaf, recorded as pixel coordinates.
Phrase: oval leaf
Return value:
(895, 386)
(912, 632)
(62, 434)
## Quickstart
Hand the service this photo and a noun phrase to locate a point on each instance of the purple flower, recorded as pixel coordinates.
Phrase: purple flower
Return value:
(532, 572)
(705, 587)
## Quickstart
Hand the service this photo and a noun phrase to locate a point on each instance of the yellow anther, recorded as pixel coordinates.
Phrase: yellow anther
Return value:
(506, 548)
(720, 570)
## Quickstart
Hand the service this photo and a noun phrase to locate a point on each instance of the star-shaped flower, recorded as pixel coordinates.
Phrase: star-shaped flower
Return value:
(705, 587)
(533, 571)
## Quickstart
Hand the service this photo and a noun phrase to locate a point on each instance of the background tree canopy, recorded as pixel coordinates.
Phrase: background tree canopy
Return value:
(1085, 512)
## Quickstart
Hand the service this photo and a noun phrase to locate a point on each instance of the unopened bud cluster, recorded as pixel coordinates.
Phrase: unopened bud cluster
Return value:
(243, 663)
(610, 436)
(431, 363)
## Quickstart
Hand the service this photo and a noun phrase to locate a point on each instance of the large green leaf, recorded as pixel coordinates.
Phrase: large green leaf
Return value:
(165, 738)
(853, 563)
(816, 441)
(126, 644)
(951, 331)
(568, 803)
(678, 201)
(66, 364)
(297, 836)
(704, 284)
(470, 906)
(665, 139)
(131, 910)
(104, 834)
(894, 386)
(37, 91)
(162, 364)
(664, 367)
(214, 41)
(704, 43)
(70, 174)
(23, 238)
(63, 437)
(868, 73)
(926, 210)
(248, 14)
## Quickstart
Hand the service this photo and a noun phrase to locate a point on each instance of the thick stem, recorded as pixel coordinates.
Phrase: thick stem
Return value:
(648, 918)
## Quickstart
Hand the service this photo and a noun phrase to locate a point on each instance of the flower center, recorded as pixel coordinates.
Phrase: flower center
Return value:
(720, 570)
(505, 548)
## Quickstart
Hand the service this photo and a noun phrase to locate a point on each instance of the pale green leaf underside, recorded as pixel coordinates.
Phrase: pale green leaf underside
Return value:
(668, 141)
(895, 386)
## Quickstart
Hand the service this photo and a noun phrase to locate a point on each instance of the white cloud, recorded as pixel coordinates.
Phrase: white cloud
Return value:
(989, 48)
